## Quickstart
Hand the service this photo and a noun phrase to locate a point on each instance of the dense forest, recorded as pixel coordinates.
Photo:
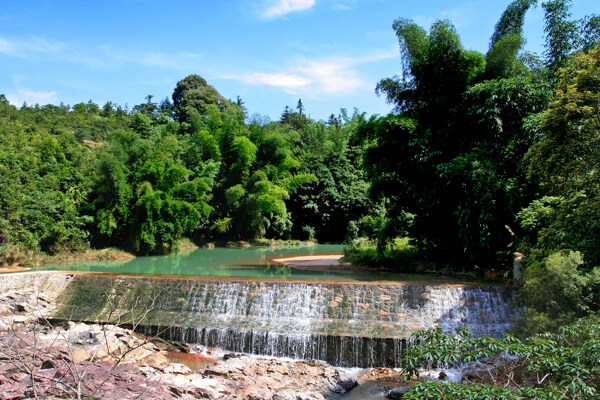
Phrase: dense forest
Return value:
(483, 156)
(197, 166)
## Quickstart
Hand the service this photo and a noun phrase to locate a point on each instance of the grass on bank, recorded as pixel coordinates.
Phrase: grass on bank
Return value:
(16, 256)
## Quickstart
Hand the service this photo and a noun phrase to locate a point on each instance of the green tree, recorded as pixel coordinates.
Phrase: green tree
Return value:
(561, 34)
(453, 158)
(145, 198)
(194, 92)
(556, 292)
(511, 21)
(565, 160)
(43, 183)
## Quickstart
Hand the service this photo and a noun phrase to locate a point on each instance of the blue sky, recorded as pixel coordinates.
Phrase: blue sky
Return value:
(329, 53)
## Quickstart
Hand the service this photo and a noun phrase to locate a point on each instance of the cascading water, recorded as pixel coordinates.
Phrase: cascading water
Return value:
(346, 324)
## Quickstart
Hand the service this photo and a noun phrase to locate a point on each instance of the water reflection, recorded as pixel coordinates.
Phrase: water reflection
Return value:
(234, 262)
(253, 262)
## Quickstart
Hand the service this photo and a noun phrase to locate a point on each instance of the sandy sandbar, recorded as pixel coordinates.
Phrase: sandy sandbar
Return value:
(319, 262)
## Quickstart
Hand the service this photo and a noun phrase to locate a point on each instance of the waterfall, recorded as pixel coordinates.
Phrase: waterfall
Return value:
(346, 324)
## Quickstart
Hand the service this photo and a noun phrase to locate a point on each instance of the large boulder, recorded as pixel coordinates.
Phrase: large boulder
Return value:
(398, 393)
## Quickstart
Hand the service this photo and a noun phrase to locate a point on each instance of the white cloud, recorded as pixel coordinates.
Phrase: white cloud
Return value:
(30, 45)
(5, 46)
(288, 82)
(279, 8)
(344, 5)
(333, 76)
(31, 97)
(34, 47)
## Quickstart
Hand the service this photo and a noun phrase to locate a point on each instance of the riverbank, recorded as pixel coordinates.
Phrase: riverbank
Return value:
(16, 259)
(19, 261)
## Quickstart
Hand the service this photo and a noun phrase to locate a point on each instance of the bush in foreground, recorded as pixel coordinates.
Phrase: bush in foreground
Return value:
(564, 365)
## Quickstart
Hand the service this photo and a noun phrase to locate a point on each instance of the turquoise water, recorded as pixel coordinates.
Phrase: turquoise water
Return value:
(218, 261)
(251, 262)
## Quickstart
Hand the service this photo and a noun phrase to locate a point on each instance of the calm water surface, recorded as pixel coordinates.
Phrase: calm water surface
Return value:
(251, 262)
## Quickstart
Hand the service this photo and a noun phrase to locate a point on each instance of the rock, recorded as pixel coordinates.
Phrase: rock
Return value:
(216, 370)
(293, 395)
(397, 393)
(140, 356)
(10, 295)
(18, 377)
(21, 319)
(149, 372)
(156, 360)
(50, 364)
(229, 356)
(345, 384)
(176, 368)
(82, 355)
(279, 369)
(260, 394)
(4, 327)
(200, 393)
(285, 395)
(5, 311)
(85, 338)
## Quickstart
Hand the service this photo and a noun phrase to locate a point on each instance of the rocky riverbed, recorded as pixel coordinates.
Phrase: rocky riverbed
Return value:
(41, 359)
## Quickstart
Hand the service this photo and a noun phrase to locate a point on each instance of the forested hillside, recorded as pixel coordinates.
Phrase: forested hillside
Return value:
(484, 155)
(198, 166)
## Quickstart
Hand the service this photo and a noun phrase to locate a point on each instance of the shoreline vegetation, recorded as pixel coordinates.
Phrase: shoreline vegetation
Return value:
(22, 260)
(400, 256)
(34, 260)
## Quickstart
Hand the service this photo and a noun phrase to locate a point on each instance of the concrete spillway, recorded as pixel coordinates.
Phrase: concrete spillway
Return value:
(346, 324)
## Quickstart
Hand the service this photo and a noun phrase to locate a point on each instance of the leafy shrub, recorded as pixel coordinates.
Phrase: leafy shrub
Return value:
(564, 365)
(557, 290)
(398, 255)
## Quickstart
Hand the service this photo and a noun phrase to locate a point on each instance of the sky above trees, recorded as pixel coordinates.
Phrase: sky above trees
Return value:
(329, 53)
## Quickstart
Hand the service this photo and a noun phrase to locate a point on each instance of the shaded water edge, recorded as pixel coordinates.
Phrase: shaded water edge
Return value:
(345, 324)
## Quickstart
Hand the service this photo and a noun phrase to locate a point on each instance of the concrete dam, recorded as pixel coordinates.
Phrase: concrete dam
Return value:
(345, 324)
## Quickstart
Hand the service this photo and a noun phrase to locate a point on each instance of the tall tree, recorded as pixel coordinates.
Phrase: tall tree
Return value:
(511, 21)
(450, 164)
(194, 92)
(561, 33)
(566, 160)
